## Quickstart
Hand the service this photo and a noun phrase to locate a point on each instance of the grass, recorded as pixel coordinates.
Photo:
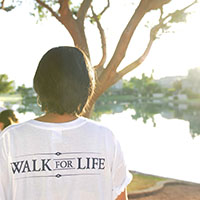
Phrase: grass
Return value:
(10, 98)
(118, 98)
(142, 181)
(131, 98)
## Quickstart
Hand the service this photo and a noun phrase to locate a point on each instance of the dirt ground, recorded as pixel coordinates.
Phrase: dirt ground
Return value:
(175, 192)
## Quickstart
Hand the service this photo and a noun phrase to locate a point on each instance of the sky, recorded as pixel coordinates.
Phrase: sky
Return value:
(23, 41)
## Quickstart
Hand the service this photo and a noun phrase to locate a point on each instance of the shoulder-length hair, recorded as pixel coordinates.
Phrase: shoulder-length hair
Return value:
(63, 81)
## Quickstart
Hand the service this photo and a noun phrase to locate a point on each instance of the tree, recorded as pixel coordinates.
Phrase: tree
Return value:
(177, 85)
(73, 18)
(5, 85)
(145, 86)
(29, 100)
(7, 7)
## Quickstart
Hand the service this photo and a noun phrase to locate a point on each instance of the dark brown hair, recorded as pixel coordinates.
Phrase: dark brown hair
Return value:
(7, 116)
(63, 81)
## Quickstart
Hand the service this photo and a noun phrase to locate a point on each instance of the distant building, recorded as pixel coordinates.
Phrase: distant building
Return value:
(178, 97)
(182, 96)
(192, 81)
(182, 106)
(192, 85)
(167, 82)
(158, 95)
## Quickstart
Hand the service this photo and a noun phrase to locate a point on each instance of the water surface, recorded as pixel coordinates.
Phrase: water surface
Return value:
(167, 150)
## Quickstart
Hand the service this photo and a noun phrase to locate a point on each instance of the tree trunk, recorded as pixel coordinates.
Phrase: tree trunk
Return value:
(101, 86)
(106, 76)
(78, 35)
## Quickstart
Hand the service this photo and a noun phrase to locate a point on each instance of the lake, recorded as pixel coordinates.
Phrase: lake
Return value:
(158, 139)
(167, 150)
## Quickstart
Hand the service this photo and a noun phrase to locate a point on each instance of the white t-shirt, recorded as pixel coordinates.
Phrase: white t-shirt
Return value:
(77, 160)
(1, 109)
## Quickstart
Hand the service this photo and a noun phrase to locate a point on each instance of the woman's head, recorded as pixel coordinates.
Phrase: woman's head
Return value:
(63, 81)
(7, 117)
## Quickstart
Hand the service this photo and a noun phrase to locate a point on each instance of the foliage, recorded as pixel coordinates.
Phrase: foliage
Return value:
(170, 92)
(142, 109)
(145, 87)
(178, 16)
(177, 85)
(29, 100)
(6, 86)
(9, 5)
(193, 116)
(146, 111)
(127, 87)
(190, 94)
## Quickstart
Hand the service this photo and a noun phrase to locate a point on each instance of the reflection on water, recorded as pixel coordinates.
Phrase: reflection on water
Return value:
(158, 138)
(165, 150)
(141, 109)
(147, 111)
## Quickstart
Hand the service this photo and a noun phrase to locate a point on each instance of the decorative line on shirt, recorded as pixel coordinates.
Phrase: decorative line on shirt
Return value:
(56, 153)
(63, 169)
(59, 175)
(64, 159)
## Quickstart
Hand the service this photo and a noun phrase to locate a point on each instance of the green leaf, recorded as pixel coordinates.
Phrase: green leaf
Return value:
(178, 16)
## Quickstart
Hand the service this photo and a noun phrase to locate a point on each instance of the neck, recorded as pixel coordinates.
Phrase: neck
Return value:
(56, 118)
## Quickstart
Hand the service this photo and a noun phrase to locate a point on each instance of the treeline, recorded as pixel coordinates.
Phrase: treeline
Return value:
(146, 87)
(6, 85)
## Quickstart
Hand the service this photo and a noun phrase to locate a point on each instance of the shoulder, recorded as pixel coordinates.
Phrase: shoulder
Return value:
(98, 128)
(97, 125)
(12, 128)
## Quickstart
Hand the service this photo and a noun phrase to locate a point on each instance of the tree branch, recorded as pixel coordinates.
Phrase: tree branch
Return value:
(61, 1)
(2, 4)
(120, 51)
(75, 28)
(125, 38)
(195, 1)
(49, 9)
(161, 14)
(103, 41)
(64, 9)
(108, 5)
(83, 10)
(182, 10)
(153, 34)
(137, 62)
(154, 4)
(63, 5)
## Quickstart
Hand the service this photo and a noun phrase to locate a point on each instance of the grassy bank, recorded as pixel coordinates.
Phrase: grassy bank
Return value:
(13, 98)
(142, 181)
(131, 98)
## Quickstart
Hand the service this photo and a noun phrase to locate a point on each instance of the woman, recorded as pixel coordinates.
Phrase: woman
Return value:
(61, 156)
(7, 117)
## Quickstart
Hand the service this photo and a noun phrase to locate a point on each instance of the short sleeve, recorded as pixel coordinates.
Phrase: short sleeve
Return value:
(121, 177)
(4, 174)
